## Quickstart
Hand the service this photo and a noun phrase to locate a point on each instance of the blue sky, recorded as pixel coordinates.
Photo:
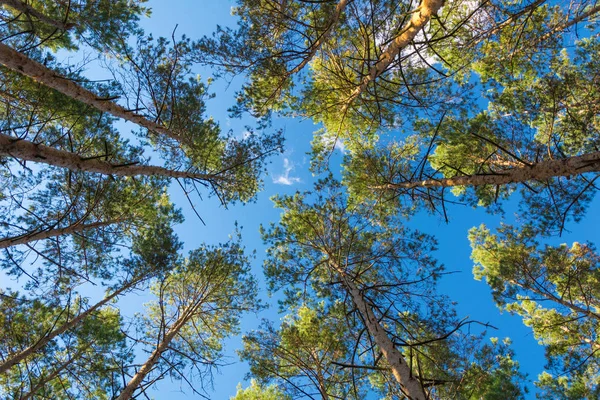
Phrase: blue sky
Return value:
(289, 172)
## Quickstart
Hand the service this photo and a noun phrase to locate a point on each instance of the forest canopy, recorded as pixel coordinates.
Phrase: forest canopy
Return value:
(114, 138)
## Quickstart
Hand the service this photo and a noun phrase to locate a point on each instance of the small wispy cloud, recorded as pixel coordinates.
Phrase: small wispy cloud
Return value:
(340, 146)
(285, 178)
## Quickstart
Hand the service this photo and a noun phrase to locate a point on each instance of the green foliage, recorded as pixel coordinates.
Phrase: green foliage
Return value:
(198, 304)
(80, 363)
(62, 24)
(494, 375)
(321, 243)
(257, 392)
(555, 291)
(304, 357)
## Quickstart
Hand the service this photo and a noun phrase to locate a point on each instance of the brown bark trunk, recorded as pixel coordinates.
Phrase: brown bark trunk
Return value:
(25, 150)
(535, 288)
(25, 8)
(568, 24)
(45, 234)
(137, 379)
(410, 385)
(22, 64)
(339, 8)
(420, 17)
(17, 358)
(539, 172)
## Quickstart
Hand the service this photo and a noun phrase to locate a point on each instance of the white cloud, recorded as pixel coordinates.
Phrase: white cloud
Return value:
(285, 178)
(340, 146)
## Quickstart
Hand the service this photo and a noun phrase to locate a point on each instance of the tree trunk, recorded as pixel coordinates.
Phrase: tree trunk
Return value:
(569, 23)
(22, 64)
(25, 8)
(48, 233)
(18, 357)
(25, 150)
(420, 17)
(410, 385)
(539, 172)
(534, 286)
(137, 379)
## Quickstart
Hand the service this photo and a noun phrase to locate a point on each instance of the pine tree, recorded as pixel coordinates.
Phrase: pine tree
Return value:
(555, 290)
(198, 305)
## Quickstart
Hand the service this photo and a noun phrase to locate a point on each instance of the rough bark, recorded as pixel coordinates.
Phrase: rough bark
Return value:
(25, 8)
(14, 359)
(22, 64)
(420, 17)
(339, 8)
(29, 151)
(541, 171)
(48, 233)
(410, 385)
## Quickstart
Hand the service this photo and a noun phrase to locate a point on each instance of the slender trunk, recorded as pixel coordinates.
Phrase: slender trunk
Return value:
(322, 387)
(18, 357)
(568, 24)
(137, 379)
(25, 8)
(25, 150)
(339, 8)
(410, 385)
(541, 171)
(53, 375)
(319, 375)
(537, 288)
(420, 17)
(22, 64)
(48, 233)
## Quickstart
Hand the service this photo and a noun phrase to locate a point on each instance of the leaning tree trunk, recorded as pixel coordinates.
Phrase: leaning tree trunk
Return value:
(410, 384)
(18, 357)
(24, 65)
(537, 172)
(29, 151)
(137, 379)
(420, 17)
(49, 233)
(25, 8)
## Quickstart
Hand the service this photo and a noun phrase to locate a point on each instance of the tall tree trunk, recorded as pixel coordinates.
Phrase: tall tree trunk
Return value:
(18, 357)
(25, 8)
(541, 171)
(26, 150)
(410, 385)
(420, 17)
(48, 233)
(24, 65)
(137, 379)
(339, 8)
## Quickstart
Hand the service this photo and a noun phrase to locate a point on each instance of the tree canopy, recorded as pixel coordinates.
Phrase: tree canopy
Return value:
(106, 143)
